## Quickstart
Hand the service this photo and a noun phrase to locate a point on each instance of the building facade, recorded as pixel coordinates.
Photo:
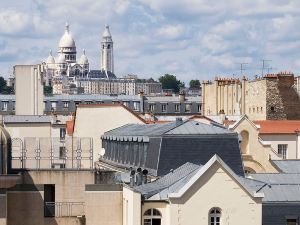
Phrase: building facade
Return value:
(66, 104)
(273, 96)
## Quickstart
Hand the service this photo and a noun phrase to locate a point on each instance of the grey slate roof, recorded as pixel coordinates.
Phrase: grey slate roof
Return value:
(171, 182)
(80, 97)
(193, 127)
(174, 181)
(288, 166)
(134, 130)
(277, 178)
(153, 99)
(280, 187)
(188, 127)
(26, 119)
(171, 145)
(88, 97)
(101, 74)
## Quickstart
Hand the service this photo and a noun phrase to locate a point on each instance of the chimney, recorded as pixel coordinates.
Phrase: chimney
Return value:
(181, 96)
(132, 172)
(138, 177)
(145, 172)
(222, 116)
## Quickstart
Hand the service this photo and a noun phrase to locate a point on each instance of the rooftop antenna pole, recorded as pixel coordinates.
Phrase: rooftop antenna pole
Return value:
(264, 64)
(242, 68)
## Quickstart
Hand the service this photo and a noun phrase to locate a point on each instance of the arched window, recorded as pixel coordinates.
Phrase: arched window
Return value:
(245, 142)
(214, 216)
(152, 217)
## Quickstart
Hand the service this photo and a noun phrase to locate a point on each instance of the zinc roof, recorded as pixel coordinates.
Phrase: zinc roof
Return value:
(288, 166)
(171, 181)
(26, 119)
(280, 187)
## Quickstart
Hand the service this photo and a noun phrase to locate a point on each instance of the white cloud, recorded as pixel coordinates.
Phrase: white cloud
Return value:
(171, 31)
(13, 22)
(152, 37)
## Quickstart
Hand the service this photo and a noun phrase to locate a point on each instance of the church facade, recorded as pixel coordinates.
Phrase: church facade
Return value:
(67, 75)
(64, 72)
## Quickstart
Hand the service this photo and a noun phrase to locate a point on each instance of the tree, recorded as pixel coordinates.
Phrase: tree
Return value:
(2, 84)
(48, 90)
(169, 81)
(195, 84)
(4, 89)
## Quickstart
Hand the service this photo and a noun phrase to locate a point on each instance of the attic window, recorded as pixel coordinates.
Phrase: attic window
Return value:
(272, 108)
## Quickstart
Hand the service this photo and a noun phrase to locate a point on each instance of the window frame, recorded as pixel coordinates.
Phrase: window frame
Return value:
(214, 216)
(148, 217)
(284, 151)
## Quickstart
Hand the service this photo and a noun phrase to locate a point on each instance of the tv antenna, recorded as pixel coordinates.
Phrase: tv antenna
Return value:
(242, 67)
(265, 65)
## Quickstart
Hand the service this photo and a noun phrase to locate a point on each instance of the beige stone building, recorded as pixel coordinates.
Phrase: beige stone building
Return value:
(256, 153)
(29, 89)
(273, 96)
(93, 120)
(187, 198)
(263, 141)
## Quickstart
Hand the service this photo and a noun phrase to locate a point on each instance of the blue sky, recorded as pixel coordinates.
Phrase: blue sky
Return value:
(193, 39)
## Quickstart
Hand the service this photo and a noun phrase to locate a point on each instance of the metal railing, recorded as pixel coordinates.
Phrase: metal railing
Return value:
(52, 153)
(64, 209)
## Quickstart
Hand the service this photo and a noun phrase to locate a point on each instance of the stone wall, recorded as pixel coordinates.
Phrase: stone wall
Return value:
(283, 101)
(274, 106)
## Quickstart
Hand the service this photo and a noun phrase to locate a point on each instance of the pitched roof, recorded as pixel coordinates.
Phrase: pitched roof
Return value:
(177, 182)
(174, 178)
(279, 187)
(26, 119)
(278, 126)
(288, 166)
(188, 127)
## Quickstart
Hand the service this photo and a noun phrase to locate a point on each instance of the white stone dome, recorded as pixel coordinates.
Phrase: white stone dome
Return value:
(67, 40)
(50, 59)
(83, 59)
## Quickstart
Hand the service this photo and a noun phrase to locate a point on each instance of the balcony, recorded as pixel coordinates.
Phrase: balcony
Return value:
(64, 209)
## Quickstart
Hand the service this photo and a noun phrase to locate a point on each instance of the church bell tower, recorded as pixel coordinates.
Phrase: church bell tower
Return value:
(107, 56)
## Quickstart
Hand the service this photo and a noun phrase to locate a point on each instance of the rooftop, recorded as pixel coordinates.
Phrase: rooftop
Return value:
(288, 166)
(26, 119)
(278, 126)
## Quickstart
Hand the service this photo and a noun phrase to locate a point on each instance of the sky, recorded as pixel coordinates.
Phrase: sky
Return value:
(192, 39)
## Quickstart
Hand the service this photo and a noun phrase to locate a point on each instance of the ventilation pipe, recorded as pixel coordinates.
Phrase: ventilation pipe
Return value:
(132, 172)
(145, 172)
(138, 177)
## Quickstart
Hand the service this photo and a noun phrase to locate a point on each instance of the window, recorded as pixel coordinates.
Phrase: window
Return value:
(62, 152)
(282, 150)
(291, 221)
(199, 108)
(49, 200)
(66, 104)
(4, 106)
(177, 107)
(152, 217)
(62, 133)
(53, 106)
(164, 107)
(136, 106)
(214, 216)
(272, 108)
(151, 107)
(187, 107)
